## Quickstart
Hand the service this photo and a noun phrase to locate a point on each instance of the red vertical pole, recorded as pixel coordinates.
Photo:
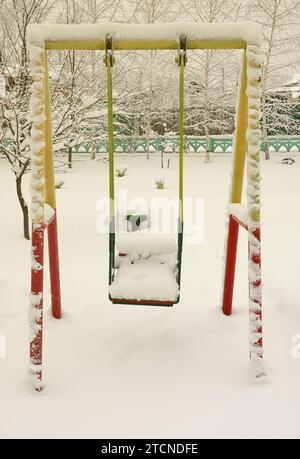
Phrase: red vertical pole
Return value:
(37, 290)
(54, 268)
(232, 244)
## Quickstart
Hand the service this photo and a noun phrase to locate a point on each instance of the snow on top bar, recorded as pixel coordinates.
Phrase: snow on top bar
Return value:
(227, 33)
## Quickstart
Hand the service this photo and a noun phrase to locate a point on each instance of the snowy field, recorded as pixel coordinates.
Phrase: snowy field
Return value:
(142, 372)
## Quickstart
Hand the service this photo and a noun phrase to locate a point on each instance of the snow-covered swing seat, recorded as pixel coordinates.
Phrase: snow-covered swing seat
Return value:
(147, 269)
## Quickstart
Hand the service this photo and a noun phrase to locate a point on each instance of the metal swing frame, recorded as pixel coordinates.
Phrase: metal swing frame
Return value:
(92, 37)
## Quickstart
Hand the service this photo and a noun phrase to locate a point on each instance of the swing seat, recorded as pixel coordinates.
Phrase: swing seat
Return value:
(146, 271)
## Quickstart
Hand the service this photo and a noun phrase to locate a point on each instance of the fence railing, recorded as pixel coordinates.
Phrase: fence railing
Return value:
(217, 144)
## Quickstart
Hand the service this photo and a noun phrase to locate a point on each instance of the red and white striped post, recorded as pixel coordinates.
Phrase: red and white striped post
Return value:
(36, 321)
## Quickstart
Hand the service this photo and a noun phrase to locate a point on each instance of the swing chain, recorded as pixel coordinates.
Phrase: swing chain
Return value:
(182, 51)
(109, 52)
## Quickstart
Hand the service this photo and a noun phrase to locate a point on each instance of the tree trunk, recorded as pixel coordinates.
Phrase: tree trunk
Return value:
(136, 125)
(265, 128)
(93, 154)
(70, 154)
(267, 151)
(24, 208)
(207, 148)
(148, 140)
(206, 106)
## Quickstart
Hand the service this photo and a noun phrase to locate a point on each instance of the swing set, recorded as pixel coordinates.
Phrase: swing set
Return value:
(117, 37)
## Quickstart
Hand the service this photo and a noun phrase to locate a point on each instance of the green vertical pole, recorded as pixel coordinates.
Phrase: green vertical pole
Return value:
(109, 61)
(182, 62)
(181, 138)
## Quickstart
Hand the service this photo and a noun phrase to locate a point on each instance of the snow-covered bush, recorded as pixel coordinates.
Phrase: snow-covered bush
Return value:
(160, 183)
(121, 171)
(59, 183)
(288, 161)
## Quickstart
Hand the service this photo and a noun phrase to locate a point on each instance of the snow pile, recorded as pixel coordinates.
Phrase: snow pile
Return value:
(144, 244)
(35, 315)
(35, 372)
(37, 111)
(48, 214)
(160, 183)
(148, 271)
(121, 170)
(35, 265)
(253, 191)
(240, 212)
(146, 279)
(229, 32)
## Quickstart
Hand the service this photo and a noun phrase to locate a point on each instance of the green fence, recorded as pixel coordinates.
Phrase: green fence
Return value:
(192, 144)
(217, 144)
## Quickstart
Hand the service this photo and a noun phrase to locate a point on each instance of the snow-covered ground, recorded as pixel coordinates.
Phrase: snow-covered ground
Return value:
(126, 371)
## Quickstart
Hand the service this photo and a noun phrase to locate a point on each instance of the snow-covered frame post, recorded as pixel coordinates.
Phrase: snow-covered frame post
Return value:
(43, 37)
(43, 210)
(248, 137)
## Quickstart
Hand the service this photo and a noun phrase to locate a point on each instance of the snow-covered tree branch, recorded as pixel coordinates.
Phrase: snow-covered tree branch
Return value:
(15, 17)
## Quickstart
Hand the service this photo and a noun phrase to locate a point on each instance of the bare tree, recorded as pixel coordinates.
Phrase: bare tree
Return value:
(281, 31)
(153, 76)
(213, 73)
(15, 17)
(78, 89)
(73, 94)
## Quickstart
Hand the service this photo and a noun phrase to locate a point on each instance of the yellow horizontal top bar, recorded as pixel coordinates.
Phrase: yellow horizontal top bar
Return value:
(124, 45)
(164, 36)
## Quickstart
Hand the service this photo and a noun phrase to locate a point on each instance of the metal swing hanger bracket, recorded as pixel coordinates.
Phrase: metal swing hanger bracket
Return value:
(182, 51)
(109, 52)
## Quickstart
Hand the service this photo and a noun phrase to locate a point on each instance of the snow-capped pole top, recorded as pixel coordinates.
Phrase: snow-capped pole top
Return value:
(144, 36)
